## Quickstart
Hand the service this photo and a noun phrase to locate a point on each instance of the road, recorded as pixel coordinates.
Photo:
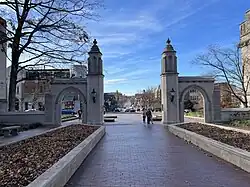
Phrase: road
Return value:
(132, 154)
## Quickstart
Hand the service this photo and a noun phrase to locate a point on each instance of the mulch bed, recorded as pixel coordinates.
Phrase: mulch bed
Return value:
(22, 162)
(230, 137)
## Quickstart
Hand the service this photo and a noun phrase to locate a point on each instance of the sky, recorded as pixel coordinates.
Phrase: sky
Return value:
(132, 35)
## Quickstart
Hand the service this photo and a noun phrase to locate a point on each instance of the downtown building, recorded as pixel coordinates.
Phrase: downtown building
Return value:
(33, 84)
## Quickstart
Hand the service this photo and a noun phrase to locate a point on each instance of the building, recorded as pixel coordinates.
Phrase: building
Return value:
(3, 48)
(79, 71)
(245, 48)
(30, 91)
(227, 98)
(196, 98)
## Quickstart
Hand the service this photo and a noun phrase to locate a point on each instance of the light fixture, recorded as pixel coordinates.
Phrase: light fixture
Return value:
(172, 94)
(93, 94)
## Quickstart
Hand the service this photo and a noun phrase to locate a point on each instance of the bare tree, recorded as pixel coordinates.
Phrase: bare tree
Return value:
(147, 97)
(228, 66)
(42, 32)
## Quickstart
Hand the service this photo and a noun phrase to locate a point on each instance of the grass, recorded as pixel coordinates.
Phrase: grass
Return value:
(195, 114)
(66, 116)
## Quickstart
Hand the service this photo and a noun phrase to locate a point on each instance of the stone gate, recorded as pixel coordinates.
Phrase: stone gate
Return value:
(174, 89)
(89, 89)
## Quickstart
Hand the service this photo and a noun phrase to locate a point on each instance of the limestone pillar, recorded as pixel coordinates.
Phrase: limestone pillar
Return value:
(169, 85)
(95, 86)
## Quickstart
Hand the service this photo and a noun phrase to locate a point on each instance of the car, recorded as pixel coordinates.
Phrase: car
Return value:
(117, 110)
(127, 110)
(30, 110)
(68, 111)
(132, 110)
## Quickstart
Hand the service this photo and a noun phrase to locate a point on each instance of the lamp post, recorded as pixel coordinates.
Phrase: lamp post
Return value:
(172, 94)
(93, 94)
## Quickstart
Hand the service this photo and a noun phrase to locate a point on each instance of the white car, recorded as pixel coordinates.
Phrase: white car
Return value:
(30, 110)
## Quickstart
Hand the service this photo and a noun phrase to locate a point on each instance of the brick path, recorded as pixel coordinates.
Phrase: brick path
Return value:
(133, 155)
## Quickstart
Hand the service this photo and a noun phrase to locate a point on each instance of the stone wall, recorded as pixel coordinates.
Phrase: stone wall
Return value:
(12, 118)
(228, 114)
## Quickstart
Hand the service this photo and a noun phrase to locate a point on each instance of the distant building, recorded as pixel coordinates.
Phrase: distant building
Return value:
(3, 48)
(33, 84)
(245, 48)
(196, 98)
(227, 98)
(79, 71)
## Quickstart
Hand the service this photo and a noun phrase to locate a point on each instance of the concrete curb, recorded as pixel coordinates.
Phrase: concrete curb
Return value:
(196, 119)
(69, 119)
(59, 174)
(235, 156)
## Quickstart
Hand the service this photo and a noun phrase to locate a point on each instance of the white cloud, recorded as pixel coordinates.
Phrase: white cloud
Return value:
(114, 81)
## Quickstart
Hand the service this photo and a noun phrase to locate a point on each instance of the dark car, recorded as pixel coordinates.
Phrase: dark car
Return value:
(68, 111)
(132, 110)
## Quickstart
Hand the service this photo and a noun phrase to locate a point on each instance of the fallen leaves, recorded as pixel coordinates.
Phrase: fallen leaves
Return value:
(24, 161)
(230, 137)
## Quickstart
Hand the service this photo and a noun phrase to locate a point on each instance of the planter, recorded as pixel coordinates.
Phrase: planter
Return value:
(234, 155)
(49, 159)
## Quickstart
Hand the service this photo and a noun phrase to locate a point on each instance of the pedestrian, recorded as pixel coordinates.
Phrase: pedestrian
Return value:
(79, 114)
(149, 116)
(144, 115)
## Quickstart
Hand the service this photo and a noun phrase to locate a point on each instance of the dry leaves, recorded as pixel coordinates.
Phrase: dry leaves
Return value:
(233, 138)
(24, 161)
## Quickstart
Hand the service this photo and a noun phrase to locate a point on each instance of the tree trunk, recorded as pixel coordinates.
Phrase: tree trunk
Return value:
(245, 104)
(12, 84)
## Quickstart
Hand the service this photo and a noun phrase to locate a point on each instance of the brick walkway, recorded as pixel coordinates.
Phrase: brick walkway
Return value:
(133, 155)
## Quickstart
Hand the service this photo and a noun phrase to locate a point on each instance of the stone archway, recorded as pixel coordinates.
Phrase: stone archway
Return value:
(58, 105)
(207, 102)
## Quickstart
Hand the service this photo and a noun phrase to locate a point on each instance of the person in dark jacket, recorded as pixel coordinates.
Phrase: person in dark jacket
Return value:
(149, 116)
(79, 114)
(144, 115)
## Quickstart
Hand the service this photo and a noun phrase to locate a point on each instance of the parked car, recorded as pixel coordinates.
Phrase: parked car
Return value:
(138, 110)
(117, 110)
(187, 110)
(30, 110)
(68, 111)
(127, 110)
(132, 110)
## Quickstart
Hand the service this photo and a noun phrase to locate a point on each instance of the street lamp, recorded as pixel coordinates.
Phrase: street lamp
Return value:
(172, 94)
(93, 94)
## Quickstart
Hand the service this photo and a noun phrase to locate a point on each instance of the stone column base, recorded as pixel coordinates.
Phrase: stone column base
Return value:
(3, 105)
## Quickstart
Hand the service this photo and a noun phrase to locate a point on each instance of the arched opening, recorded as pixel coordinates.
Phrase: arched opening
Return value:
(195, 102)
(68, 103)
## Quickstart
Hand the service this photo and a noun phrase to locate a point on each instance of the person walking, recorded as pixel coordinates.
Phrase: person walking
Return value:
(144, 115)
(149, 116)
(79, 114)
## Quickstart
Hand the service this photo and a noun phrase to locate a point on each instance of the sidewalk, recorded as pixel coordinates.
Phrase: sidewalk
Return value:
(133, 155)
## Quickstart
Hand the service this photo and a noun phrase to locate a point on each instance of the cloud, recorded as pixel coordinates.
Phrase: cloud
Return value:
(114, 81)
